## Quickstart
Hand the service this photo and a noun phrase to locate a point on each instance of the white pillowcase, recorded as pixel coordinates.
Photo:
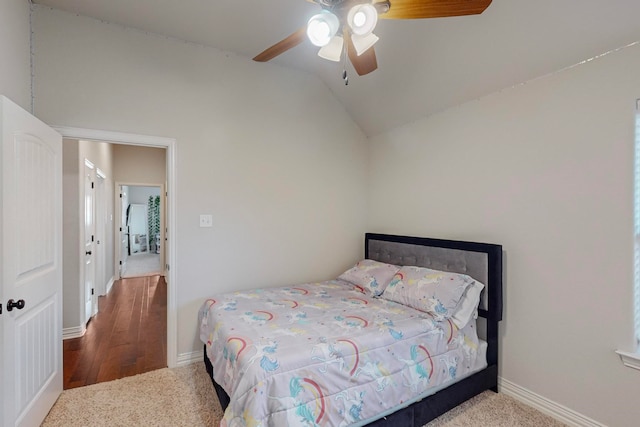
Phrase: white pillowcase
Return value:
(468, 307)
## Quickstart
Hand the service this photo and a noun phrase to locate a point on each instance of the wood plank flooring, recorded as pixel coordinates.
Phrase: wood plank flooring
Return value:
(128, 336)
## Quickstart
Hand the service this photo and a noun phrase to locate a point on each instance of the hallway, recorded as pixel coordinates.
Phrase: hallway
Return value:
(127, 337)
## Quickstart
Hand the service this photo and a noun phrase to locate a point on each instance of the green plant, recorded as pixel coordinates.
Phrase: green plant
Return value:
(153, 219)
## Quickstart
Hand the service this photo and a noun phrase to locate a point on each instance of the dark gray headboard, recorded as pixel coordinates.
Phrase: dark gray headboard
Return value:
(474, 264)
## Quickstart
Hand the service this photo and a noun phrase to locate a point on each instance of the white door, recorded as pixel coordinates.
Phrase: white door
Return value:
(101, 235)
(89, 236)
(31, 267)
(124, 229)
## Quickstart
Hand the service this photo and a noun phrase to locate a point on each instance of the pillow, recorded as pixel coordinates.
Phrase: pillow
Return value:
(370, 276)
(468, 307)
(435, 292)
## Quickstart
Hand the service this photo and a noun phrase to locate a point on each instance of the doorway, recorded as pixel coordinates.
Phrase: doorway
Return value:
(170, 193)
(142, 230)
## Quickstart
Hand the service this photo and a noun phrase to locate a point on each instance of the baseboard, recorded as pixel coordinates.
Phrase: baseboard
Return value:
(189, 358)
(75, 332)
(109, 285)
(542, 404)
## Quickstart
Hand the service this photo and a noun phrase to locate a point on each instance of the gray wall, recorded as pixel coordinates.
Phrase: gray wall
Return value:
(15, 66)
(71, 298)
(269, 152)
(140, 165)
(545, 169)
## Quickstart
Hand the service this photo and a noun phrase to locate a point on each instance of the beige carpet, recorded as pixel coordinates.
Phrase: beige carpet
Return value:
(166, 397)
(141, 265)
(185, 397)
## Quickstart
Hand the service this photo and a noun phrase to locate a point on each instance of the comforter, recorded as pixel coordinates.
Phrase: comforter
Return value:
(326, 354)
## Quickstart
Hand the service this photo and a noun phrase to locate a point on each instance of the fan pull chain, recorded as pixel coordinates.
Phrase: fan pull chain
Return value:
(345, 77)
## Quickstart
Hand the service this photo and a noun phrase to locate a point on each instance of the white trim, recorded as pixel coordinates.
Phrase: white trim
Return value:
(631, 360)
(109, 136)
(83, 242)
(171, 188)
(189, 358)
(542, 404)
(109, 285)
(75, 332)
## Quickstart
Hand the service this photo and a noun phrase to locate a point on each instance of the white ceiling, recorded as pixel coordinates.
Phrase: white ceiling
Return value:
(424, 66)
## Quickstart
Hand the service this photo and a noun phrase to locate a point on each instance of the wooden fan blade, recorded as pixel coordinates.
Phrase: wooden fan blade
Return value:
(282, 46)
(363, 64)
(418, 9)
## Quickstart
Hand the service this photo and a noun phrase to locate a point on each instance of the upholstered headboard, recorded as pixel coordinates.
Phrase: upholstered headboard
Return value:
(482, 261)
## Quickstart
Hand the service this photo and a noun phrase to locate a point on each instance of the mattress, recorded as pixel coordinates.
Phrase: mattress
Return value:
(327, 354)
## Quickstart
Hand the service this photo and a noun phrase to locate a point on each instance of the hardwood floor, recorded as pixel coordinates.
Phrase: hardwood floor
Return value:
(128, 336)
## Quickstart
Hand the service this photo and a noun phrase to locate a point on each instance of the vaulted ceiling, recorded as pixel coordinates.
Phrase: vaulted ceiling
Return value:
(424, 66)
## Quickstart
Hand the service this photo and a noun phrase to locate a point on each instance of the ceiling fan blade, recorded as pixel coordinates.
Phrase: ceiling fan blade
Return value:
(363, 64)
(418, 9)
(282, 46)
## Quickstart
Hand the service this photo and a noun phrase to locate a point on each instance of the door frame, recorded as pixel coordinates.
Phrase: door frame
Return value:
(171, 241)
(118, 248)
(88, 237)
(101, 237)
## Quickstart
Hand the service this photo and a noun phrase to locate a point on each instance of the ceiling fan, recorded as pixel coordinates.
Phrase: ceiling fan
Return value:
(346, 26)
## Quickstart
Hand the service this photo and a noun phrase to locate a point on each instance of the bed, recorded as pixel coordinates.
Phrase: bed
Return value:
(335, 353)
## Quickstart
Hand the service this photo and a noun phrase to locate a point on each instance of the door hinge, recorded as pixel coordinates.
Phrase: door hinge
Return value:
(121, 195)
(91, 291)
(92, 237)
(120, 262)
(92, 185)
(0, 308)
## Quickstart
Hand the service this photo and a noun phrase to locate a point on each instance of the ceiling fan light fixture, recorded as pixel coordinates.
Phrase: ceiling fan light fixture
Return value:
(322, 27)
(362, 43)
(362, 19)
(333, 50)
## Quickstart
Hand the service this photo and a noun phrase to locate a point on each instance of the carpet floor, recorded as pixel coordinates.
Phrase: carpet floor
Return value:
(184, 397)
(145, 264)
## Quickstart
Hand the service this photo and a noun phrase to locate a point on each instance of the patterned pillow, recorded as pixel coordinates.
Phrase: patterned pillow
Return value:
(370, 276)
(435, 292)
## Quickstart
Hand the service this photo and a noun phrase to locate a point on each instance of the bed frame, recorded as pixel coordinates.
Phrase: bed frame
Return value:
(483, 262)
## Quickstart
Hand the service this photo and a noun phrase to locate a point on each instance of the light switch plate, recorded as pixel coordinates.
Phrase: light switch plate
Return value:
(206, 220)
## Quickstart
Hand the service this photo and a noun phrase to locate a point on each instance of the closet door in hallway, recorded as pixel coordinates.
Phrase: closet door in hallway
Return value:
(127, 337)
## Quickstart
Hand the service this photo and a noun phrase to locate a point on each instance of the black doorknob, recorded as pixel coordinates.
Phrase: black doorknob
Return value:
(87, 253)
(11, 304)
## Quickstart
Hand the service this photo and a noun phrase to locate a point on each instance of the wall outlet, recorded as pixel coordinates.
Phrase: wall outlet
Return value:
(206, 220)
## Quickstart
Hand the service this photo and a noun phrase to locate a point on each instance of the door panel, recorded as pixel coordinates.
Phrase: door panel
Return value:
(124, 229)
(31, 267)
(89, 233)
(101, 234)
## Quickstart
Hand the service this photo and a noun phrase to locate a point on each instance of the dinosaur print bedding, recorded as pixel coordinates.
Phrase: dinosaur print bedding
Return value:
(325, 354)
